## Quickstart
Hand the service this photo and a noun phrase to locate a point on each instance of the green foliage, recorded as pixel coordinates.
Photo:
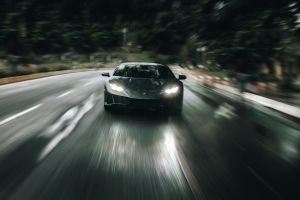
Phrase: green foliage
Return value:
(217, 73)
(135, 57)
(287, 84)
(4, 73)
(267, 78)
(243, 34)
(42, 69)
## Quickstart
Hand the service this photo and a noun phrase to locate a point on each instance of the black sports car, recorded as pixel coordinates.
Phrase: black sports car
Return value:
(144, 86)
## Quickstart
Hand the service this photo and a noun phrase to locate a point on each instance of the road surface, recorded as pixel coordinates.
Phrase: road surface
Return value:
(57, 142)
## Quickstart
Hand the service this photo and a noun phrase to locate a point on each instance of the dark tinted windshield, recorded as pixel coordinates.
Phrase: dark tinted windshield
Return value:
(144, 71)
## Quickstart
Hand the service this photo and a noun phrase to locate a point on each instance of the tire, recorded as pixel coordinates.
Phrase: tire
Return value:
(105, 104)
(176, 111)
(107, 108)
(177, 108)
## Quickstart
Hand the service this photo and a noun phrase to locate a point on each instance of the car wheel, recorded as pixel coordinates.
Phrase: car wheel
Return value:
(107, 107)
(177, 108)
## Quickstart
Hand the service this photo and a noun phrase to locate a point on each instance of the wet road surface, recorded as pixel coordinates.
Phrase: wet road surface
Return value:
(57, 142)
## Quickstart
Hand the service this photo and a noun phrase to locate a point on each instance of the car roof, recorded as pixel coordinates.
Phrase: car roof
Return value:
(140, 63)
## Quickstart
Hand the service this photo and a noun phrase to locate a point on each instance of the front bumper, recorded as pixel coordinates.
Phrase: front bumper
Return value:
(149, 104)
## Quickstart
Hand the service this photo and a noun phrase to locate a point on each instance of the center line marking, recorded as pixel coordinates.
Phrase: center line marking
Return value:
(64, 94)
(19, 114)
(78, 114)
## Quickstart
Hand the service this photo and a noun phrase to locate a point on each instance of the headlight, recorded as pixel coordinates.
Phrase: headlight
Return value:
(116, 87)
(172, 90)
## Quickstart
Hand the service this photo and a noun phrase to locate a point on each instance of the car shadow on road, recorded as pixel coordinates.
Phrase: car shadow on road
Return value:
(140, 114)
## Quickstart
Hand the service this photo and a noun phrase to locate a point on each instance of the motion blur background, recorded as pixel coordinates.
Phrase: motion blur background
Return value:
(253, 36)
(238, 136)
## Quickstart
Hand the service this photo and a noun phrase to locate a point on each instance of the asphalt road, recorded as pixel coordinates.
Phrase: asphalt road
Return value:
(57, 142)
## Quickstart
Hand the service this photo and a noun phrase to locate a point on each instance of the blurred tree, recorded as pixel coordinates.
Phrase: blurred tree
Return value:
(236, 34)
(244, 34)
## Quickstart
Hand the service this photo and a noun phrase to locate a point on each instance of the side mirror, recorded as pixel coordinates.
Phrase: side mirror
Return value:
(181, 77)
(106, 74)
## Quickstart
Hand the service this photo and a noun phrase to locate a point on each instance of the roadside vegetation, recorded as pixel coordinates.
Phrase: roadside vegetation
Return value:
(225, 36)
(68, 61)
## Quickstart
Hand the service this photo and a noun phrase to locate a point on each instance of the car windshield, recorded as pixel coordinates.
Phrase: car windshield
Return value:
(144, 71)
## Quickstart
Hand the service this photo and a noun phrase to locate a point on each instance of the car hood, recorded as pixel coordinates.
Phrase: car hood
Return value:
(143, 88)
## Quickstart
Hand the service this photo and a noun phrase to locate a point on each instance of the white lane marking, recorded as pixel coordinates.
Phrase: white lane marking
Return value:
(65, 94)
(87, 106)
(65, 118)
(19, 114)
(225, 110)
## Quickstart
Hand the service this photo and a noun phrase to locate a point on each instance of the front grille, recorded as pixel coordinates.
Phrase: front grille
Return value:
(137, 103)
(145, 102)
